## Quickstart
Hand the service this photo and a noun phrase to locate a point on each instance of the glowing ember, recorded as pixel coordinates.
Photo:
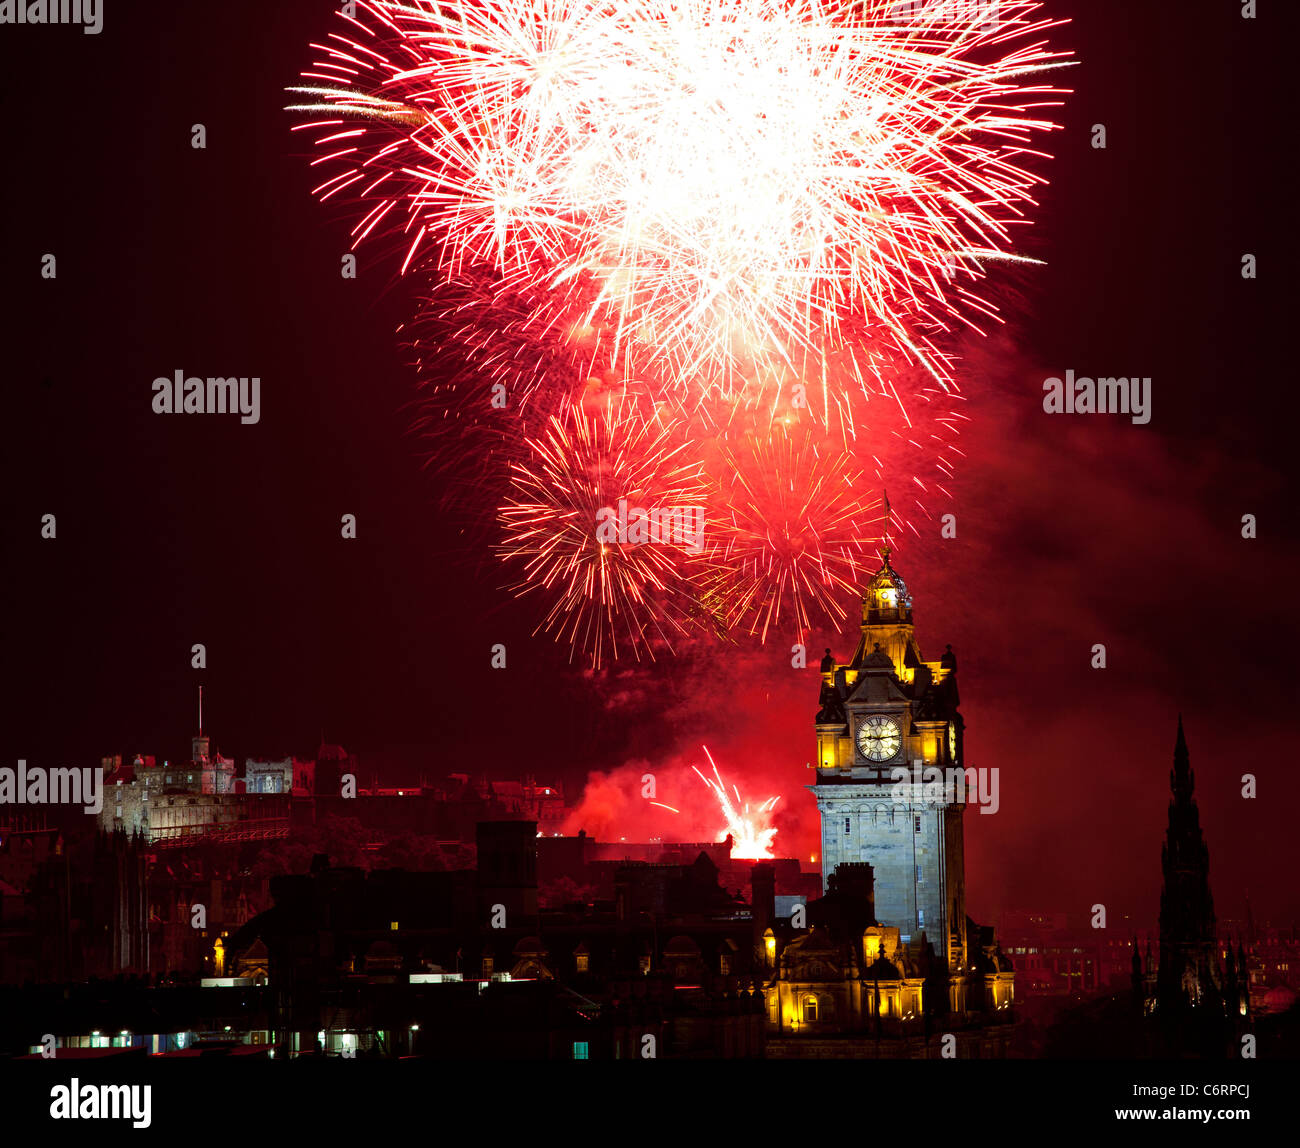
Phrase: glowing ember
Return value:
(751, 834)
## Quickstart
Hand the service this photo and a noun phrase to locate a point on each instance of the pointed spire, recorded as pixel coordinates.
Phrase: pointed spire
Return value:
(1181, 779)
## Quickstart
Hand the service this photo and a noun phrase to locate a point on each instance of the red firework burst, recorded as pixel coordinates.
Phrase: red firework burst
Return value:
(597, 521)
(791, 523)
(754, 224)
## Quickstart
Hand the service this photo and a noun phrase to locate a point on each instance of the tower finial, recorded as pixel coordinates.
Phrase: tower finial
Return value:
(1181, 756)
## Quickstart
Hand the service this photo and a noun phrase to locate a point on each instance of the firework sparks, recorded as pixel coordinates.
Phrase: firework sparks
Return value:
(670, 237)
(751, 834)
(737, 176)
(792, 530)
(606, 594)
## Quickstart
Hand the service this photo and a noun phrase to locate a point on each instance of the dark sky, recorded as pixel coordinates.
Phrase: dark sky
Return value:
(1071, 531)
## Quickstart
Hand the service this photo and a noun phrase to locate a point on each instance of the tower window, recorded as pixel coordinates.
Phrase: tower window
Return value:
(918, 823)
(848, 825)
(919, 878)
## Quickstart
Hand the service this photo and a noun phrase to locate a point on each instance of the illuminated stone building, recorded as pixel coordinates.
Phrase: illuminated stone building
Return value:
(172, 804)
(884, 711)
(846, 970)
(891, 946)
(849, 986)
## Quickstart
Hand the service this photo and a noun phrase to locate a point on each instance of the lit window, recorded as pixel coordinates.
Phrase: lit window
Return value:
(809, 1009)
(580, 1051)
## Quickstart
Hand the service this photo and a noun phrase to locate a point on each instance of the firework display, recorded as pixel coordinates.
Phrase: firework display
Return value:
(603, 514)
(729, 239)
(751, 834)
(791, 530)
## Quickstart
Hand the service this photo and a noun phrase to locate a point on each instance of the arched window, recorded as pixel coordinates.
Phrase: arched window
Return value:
(810, 1009)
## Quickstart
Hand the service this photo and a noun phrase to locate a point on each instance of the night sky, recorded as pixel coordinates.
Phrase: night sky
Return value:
(1071, 530)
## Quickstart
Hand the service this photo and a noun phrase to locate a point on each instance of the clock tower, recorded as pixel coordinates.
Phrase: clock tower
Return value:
(886, 717)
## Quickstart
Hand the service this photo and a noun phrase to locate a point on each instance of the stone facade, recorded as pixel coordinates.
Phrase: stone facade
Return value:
(169, 803)
(885, 716)
(849, 975)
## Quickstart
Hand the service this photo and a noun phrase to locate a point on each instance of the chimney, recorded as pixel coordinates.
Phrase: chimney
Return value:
(762, 896)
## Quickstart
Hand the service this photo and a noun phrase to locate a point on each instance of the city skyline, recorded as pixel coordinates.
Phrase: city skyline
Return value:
(735, 531)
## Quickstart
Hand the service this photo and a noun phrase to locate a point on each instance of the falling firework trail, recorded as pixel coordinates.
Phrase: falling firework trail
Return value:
(750, 839)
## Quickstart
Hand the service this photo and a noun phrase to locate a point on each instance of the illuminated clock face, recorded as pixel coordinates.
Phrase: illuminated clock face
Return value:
(879, 738)
(952, 742)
